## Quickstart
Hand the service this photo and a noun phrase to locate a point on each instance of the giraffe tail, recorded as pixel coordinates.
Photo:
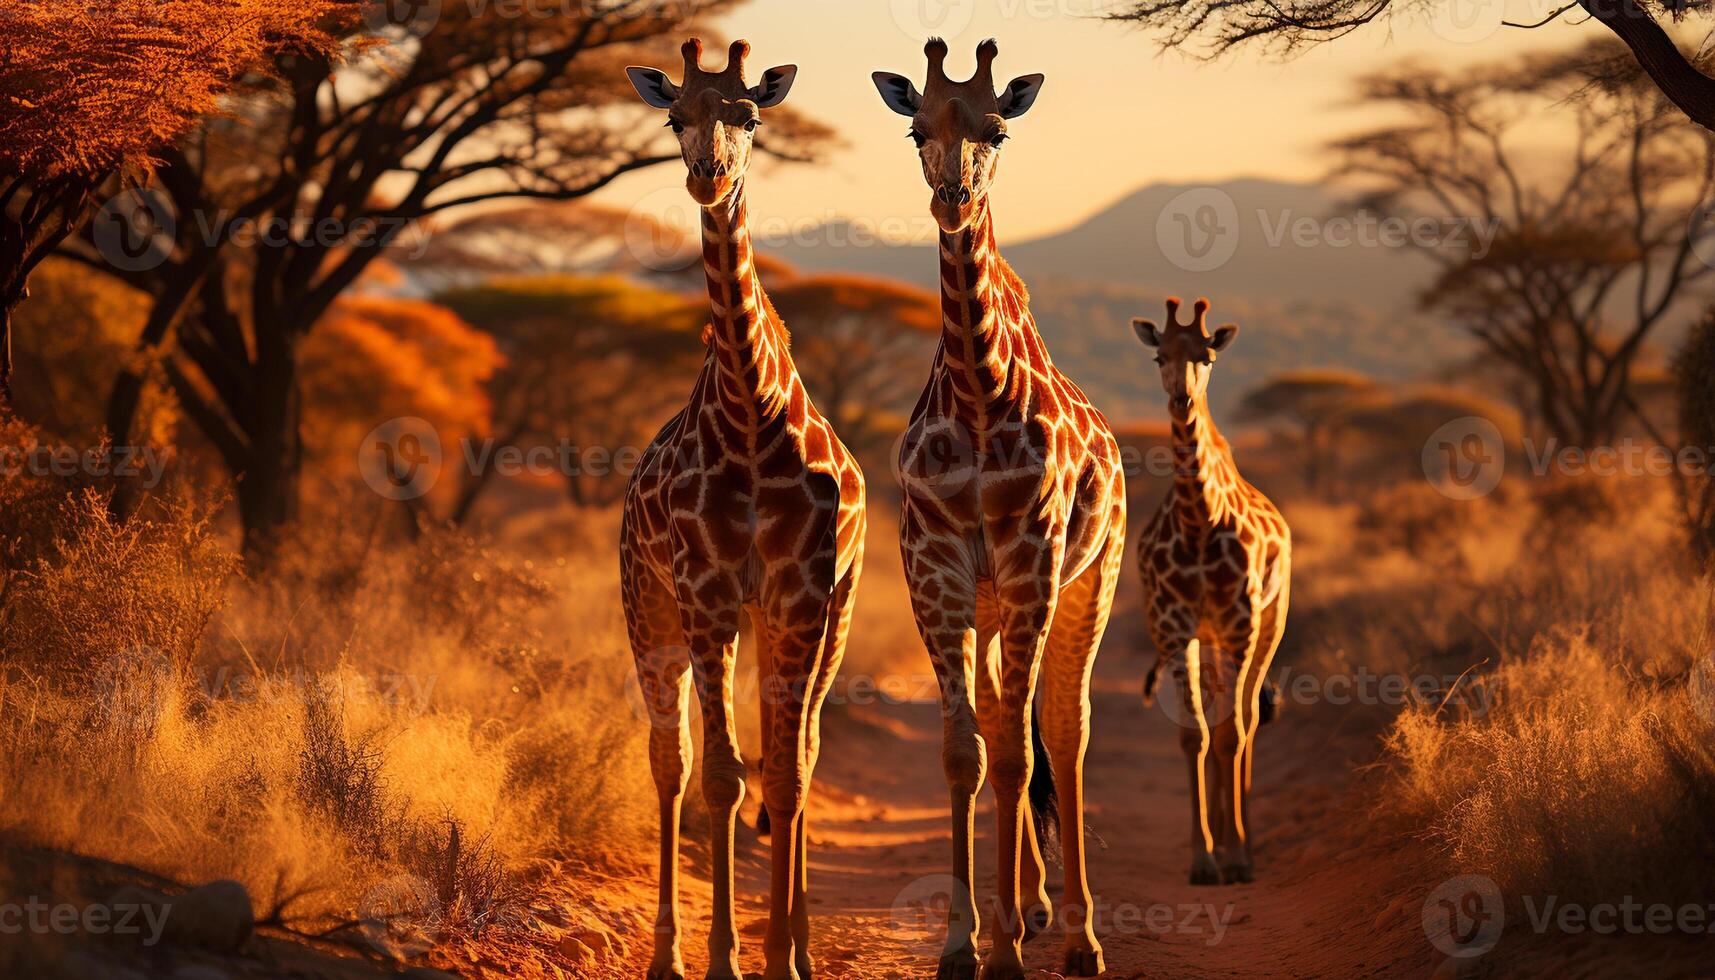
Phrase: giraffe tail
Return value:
(1152, 682)
(1044, 795)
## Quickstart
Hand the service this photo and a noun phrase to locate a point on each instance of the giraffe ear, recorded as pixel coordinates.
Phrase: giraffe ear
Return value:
(1146, 331)
(776, 82)
(1020, 94)
(1223, 336)
(897, 91)
(653, 85)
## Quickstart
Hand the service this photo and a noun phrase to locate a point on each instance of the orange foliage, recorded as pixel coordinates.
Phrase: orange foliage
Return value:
(374, 358)
(89, 88)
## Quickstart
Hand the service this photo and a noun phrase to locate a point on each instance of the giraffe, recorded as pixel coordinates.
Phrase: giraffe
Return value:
(746, 500)
(1216, 567)
(1012, 531)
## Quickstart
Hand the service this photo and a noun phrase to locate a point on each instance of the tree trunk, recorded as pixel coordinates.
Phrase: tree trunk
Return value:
(268, 488)
(8, 304)
(1687, 88)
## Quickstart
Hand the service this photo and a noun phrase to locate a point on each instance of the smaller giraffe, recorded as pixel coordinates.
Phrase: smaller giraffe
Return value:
(1216, 566)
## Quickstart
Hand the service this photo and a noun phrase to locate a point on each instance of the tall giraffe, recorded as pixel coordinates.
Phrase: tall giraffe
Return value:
(747, 501)
(1013, 528)
(1216, 564)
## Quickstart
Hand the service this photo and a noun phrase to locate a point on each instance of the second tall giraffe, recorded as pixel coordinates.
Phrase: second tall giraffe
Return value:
(1012, 530)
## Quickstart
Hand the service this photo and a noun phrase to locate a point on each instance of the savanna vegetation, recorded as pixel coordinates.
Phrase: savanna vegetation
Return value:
(406, 724)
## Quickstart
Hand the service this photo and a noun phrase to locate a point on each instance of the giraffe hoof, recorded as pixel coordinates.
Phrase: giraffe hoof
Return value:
(1003, 971)
(1204, 870)
(666, 973)
(1083, 963)
(958, 966)
(1237, 874)
(1037, 920)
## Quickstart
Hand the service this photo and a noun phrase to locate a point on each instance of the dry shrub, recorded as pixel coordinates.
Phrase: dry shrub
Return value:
(1585, 769)
(446, 710)
(98, 588)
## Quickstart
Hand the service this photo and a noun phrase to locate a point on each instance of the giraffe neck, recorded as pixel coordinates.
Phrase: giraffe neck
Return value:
(748, 346)
(1203, 472)
(982, 314)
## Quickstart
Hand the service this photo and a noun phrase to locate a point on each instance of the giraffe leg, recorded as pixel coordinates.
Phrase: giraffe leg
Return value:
(713, 656)
(657, 643)
(1080, 620)
(1023, 634)
(964, 759)
(1037, 914)
(1194, 740)
(1232, 745)
(833, 654)
(1254, 677)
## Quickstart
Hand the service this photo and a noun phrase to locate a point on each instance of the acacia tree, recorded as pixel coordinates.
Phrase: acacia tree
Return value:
(1290, 25)
(594, 364)
(850, 334)
(1316, 402)
(491, 102)
(1586, 263)
(88, 91)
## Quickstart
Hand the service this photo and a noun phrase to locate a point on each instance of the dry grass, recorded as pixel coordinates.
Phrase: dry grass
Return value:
(1584, 768)
(361, 717)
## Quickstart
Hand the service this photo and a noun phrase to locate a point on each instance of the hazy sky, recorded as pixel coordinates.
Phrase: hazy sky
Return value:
(1114, 113)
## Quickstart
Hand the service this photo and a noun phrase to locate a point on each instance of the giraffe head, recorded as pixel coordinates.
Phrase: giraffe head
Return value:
(1186, 353)
(958, 127)
(714, 114)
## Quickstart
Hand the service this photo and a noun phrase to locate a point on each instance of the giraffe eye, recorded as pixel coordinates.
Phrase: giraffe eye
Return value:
(915, 137)
(997, 139)
(751, 124)
(676, 126)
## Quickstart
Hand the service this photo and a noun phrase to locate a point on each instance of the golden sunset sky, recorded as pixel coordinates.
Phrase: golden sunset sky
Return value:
(1115, 113)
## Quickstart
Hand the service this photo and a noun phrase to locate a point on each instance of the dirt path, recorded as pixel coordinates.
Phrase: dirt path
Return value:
(880, 853)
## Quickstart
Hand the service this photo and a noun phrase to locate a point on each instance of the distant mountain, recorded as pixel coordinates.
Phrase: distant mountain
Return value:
(1310, 284)
(1284, 242)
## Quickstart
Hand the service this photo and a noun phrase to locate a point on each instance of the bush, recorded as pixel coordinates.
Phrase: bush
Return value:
(1695, 373)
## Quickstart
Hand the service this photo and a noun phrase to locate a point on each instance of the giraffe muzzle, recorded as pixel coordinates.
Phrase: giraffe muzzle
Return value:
(957, 194)
(708, 169)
